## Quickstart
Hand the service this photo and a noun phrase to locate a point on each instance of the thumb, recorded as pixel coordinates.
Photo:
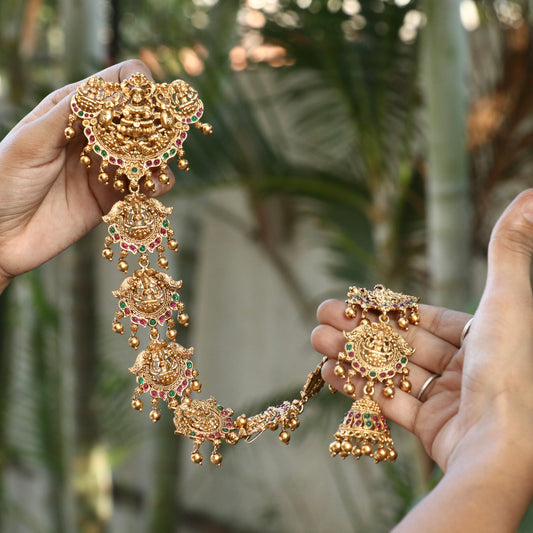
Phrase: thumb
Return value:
(510, 251)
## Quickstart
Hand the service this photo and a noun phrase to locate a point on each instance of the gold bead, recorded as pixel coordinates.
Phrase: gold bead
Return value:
(340, 372)
(293, 424)
(207, 129)
(332, 389)
(364, 322)
(149, 185)
(380, 455)
(118, 328)
(196, 386)
(172, 404)
(414, 318)
(118, 185)
(366, 449)
(241, 421)
(350, 312)
(163, 262)
(86, 160)
(103, 177)
(273, 425)
(388, 392)
(403, 322)
(349, 388)
(172, 334)
(122, 266)
(137, 404)
(183, 164)
(232, 438)
(173, 244)
(183, 318)
(346, 446)
(155, 416)
(285, 437)
(164, 179)
(335, 447)
(216, 459)
(356, 452)
(185, 400)
(197, 458)
(405, 385)
(134, 342)
(392, 456)
(107, 253)
(70, 132)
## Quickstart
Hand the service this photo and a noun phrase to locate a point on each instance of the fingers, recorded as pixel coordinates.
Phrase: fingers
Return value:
(510, 251)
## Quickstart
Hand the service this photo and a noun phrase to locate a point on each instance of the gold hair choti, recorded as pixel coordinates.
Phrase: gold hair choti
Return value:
(136, 128)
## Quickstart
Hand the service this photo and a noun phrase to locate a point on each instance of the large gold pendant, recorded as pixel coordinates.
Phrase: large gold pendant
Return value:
(377, 353)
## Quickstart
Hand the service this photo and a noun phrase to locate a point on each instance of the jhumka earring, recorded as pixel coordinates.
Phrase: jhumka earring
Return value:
(374, 351)
(136, 128)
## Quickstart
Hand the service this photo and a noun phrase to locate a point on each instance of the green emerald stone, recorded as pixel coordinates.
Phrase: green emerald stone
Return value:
(173, 151)
(366, 415)
(165, 223)
(372, 374)
(112, 230)
(80, 113)
(189, 364)
(104, 153)
(165, 155)
(96, 148)
(174, 296)
(403, 359)
(368, 424)
(152, 322)
(172, 393)
(194, 119)
(192, 434)
(140, 381)
(134, 169)
(225, 430)
(349, 346)
(142, 248)
(219, 407)
(122, 305)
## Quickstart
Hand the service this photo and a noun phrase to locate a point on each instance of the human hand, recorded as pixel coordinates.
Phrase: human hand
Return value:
(481, 404)
(49, 199)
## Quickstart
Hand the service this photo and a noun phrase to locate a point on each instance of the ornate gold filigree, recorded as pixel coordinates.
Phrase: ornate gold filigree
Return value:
(376, 351)
(138, 223)
(136, 128)
(164, 370)
(364, 431)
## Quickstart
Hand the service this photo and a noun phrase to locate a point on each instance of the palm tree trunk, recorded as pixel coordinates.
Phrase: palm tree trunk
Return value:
(444, 60)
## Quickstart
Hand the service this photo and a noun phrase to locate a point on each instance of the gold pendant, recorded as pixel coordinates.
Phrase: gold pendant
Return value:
(374, 351)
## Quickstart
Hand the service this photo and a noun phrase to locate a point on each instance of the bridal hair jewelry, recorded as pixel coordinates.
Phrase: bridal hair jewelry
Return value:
(136, 128)
(374, 351)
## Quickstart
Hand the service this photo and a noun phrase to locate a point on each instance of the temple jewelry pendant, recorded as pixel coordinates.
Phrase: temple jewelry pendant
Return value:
(135, 128)
(377, 353)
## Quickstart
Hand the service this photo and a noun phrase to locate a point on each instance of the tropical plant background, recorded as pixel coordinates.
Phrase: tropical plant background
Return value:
(355, 142)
